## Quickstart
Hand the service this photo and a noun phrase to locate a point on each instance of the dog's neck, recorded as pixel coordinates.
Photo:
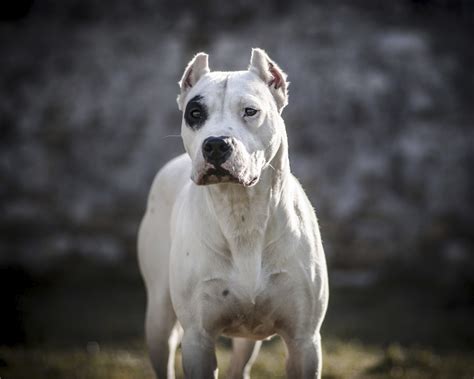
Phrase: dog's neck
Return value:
(244, 212)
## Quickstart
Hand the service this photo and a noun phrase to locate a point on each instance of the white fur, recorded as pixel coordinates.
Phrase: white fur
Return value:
(239, 259)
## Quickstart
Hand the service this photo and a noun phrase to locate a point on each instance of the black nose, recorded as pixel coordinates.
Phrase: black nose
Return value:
(216, 150)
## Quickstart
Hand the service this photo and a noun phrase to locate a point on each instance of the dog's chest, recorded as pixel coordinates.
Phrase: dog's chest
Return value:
(243, 294)
(242, 308)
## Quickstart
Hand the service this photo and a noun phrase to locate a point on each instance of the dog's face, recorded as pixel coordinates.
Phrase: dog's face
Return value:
(231, 125)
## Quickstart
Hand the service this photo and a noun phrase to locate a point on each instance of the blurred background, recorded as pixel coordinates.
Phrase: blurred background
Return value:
(381, 130)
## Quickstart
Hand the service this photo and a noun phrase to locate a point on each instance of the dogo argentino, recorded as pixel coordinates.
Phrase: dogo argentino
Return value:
(230, 244)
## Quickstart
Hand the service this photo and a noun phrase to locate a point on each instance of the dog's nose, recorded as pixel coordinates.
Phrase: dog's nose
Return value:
(216, 150)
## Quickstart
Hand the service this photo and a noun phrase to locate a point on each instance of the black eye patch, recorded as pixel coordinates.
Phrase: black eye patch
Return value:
(195, 113)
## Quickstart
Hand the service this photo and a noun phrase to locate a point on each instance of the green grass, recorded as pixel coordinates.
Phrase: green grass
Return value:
(85, 320)
(341, 360)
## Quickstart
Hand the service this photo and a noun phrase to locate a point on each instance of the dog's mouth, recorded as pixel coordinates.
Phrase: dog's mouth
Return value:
(216, 175)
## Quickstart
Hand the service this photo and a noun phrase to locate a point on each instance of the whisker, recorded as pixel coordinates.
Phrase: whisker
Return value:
(172, 135)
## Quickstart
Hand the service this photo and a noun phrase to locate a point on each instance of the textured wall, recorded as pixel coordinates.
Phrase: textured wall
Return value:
(380, 120)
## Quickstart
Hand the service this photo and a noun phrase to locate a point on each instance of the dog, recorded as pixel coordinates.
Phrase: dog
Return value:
(230, 244)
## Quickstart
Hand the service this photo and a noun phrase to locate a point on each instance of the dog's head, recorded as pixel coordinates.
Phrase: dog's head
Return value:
(231, 125)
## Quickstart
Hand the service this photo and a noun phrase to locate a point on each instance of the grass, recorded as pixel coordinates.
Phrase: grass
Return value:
(341, 360)
(84, 320)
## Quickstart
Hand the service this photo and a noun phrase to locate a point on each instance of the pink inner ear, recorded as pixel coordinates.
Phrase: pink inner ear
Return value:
(187, 82)
(277, 80)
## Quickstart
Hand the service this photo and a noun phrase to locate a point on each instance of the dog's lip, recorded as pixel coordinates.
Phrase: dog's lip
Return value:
(215, 175)
(224, 176)
(218, 171)
(252, 182)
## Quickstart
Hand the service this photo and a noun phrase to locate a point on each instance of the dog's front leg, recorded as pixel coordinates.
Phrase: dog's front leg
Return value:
(304, 357)
(199, 354)
(244, 353)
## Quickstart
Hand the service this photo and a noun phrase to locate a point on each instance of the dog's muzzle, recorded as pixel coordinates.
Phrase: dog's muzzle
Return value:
(216, 150)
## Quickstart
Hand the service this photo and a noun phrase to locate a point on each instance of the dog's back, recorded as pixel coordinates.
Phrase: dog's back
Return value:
(153, 253)
(153, 238)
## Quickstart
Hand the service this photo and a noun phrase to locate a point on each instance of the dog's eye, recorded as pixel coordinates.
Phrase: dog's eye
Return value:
(195, 113)
(249, 112)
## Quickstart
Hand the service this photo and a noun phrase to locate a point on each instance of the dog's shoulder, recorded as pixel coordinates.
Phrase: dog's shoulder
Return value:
(301, 204)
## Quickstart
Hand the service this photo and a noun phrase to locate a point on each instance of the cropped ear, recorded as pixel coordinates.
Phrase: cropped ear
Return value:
(196, 68)
(272, 75)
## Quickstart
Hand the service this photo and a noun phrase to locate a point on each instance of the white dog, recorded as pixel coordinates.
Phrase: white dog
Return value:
(230, 244)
